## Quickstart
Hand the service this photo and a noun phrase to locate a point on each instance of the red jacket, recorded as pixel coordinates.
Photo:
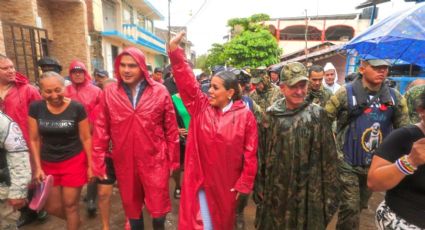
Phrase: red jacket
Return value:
(17, 101)
(221, 153)
(145, 142)
(86, 93)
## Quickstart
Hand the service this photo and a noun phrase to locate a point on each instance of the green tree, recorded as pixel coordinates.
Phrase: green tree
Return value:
(253, 48)
(201, 62)
(216, 55)
(251, 44)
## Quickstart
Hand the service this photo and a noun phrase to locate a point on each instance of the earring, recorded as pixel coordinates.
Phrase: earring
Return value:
(229, 98)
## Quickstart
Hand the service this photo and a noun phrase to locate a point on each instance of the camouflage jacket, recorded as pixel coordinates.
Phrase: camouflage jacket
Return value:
(411, 95)
(337, 109)
(266, 99)
(12, 141)
(319, 97)
(296, 185)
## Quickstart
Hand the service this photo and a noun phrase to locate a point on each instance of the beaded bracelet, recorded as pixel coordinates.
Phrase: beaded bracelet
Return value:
(404, 166)
(406, 162)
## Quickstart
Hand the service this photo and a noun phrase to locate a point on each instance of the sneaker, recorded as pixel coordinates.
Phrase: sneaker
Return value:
(27, 217)
(177, 193)
(42, 216)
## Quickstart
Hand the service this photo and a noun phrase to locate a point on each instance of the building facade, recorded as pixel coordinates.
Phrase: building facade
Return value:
(296, 33)
(31, 29)
(117, 24)
(92, 31)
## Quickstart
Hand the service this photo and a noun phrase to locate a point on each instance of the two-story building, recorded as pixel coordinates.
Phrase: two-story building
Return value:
(31, 29)
(121, 23)
(296, 33)
(92, 31)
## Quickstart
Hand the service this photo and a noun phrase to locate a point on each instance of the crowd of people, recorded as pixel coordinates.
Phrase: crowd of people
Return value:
(305, 143)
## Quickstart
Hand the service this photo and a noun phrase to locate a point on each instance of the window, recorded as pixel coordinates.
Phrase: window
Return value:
(298, 33)
(127, 14)
(149, 25)
(140, 19)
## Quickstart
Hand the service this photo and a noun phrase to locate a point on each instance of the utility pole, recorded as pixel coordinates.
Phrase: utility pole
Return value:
(169, 22)
(305, 35)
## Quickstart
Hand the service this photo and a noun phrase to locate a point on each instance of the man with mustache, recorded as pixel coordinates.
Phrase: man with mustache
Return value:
(357, 107)
(296, 185)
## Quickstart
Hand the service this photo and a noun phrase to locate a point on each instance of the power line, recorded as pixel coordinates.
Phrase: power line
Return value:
(197, 12)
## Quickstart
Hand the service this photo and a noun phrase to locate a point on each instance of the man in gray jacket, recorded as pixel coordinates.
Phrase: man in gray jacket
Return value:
(15, 172)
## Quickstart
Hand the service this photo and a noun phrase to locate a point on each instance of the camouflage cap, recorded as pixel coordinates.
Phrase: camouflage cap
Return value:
(378, 62)
(258, 74)
(292, 73)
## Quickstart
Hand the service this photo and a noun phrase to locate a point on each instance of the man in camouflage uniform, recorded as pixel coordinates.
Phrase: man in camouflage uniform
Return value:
(366, 110)
(316, 92)
(296, 184)
(265, 92)
(411, 95)
(15, 173)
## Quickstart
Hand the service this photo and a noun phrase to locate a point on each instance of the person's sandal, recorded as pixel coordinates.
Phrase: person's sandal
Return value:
(177, 193)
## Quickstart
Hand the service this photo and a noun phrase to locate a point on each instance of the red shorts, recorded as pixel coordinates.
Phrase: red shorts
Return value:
(68, 173)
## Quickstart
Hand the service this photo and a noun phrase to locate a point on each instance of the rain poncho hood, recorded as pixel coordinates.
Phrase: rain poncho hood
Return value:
(16, 102)
(335, 86)
(86, 93)
(79, 65)
(145, 142)
(221, 153)
(140, 59)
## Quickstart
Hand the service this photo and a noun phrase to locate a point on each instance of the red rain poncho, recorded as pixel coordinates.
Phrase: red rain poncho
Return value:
(145, 142)
(17, 101)
(86, 93)
(221, 153)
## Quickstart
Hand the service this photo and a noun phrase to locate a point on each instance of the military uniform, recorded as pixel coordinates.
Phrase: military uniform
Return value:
(296, 185)
(352, 172)
(12, 144)
(411, 95)
(319, 97)
(270, 94)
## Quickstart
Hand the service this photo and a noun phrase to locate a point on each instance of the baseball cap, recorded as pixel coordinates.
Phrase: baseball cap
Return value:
(378, 62)
(77, 67)
(292, 73)
(256, 80)
(102, 73)
(158, 69)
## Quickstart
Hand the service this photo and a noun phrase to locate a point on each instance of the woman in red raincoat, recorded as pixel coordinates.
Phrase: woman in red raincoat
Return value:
(221, 149)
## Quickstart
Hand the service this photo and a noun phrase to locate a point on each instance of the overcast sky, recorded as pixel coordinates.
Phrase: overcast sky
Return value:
(206, 19)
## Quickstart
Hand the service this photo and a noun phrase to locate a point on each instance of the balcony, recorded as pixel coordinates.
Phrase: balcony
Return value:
(138, 36)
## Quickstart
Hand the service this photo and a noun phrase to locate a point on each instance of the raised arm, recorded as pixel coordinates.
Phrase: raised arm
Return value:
(193, 98)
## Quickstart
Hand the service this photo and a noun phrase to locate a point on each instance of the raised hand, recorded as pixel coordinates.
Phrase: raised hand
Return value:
(175, 42)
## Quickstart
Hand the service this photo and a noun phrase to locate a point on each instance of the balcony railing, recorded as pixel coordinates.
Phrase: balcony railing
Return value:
(140, 36)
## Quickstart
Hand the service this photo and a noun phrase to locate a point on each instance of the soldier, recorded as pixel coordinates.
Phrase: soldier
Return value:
(366, 111)
(296, 184)
(316, 92)
(411, 95)
(15, 172)
(265, 92)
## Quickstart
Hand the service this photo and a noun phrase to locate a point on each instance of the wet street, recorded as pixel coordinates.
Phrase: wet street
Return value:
(118, 219)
